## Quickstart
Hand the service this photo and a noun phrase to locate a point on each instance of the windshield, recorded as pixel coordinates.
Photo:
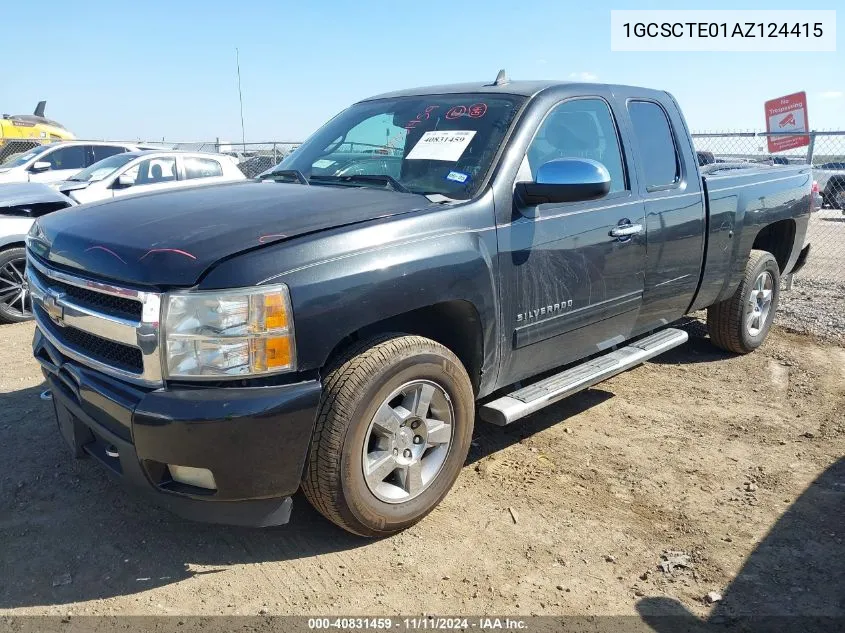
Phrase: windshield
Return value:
(16, 160)
(103, 168)
(441, 144)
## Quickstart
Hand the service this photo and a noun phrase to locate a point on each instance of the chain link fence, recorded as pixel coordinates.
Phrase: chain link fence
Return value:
(9, 148)
(253, 158)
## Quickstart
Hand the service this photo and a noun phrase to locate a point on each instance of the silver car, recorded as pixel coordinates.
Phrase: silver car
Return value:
(148, 171)
(53, 162)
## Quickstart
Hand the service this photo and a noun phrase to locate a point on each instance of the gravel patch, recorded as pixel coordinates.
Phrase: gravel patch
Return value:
(814, 307)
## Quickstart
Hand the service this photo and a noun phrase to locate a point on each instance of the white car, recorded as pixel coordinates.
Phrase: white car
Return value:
(20, 204)
(53, 162)
(148, 171)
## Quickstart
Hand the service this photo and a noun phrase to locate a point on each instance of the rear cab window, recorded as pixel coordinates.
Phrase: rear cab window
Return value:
(658, 152)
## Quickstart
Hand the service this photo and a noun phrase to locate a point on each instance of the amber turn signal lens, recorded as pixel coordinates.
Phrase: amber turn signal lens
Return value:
(275, 316)
(277, 352)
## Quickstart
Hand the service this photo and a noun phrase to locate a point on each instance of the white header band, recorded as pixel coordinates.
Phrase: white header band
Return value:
(743, 31)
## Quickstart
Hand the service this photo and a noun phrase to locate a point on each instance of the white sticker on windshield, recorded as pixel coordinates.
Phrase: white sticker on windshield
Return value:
(441, 145)
(323, 163)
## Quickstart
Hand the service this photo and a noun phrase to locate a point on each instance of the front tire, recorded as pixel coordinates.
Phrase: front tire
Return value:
(15, 300)
(393, 431)
(740, 324)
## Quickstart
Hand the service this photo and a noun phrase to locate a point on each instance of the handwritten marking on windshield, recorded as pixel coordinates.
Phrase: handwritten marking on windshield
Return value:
(478, 110)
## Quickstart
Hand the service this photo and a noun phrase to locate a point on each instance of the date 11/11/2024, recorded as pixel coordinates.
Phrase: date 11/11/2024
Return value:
(425, 623)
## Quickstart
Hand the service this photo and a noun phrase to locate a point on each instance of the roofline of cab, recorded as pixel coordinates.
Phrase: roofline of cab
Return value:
(522, 88)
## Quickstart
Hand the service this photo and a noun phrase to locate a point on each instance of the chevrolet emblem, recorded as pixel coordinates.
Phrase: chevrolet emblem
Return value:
(53, 309)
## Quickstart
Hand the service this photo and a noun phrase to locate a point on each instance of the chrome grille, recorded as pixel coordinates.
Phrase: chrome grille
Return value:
(110, 304)
(109, 328)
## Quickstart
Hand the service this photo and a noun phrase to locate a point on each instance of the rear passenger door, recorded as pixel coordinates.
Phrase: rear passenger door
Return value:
(670, 187)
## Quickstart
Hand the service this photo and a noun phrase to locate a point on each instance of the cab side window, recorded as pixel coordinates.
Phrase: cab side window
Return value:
(154, 170)
(656, 143)
(99, 152)
(580, 128)
(72, 157)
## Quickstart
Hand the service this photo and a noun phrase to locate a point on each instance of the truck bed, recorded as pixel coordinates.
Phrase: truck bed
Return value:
(741, 200)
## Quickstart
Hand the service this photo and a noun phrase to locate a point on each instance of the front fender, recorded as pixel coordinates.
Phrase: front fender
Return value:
(335, 299)
(344, 280)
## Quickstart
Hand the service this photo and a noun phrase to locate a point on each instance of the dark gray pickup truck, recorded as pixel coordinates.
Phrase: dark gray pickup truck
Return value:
(425, 256)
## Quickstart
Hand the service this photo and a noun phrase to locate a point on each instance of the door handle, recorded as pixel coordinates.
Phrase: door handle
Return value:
(626, 230)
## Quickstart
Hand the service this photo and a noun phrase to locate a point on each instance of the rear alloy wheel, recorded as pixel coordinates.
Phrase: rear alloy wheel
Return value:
(392, 433)
(15, 299)
(740, 324)
(759, 303)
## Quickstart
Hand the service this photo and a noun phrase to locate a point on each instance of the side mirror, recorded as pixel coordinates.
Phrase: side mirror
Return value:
(39, 166)
(123, 181)
(566, 180)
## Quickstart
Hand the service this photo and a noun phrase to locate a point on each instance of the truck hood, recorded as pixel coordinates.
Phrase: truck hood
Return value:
(171, 238)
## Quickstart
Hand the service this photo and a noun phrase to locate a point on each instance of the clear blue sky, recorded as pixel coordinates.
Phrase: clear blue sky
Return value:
(156, 69)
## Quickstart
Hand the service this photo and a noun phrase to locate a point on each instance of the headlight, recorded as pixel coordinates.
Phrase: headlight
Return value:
(229, 333)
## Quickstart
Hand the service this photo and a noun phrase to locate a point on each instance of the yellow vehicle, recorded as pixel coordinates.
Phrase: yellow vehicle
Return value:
(34, 127)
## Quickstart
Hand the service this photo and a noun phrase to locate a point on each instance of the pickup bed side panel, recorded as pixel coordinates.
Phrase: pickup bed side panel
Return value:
(344, 280)
(740, 206)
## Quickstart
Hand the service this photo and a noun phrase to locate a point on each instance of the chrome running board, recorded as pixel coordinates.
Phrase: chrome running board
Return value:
(531, 398)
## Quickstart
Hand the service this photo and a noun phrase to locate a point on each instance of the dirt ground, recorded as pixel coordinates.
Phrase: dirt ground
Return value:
(726, 470)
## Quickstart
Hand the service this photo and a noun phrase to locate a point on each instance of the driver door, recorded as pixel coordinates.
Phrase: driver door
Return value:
(570, 287)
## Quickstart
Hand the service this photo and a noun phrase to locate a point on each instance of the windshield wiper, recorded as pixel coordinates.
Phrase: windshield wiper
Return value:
(285, 174)
(390, 181)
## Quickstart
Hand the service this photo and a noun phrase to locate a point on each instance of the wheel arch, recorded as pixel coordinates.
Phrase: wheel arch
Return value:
(777, 238)
(13, 242)
(455, 324)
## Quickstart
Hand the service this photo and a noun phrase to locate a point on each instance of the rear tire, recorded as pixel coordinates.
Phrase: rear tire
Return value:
(15, 301)
(740, 324)
(393, 431)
